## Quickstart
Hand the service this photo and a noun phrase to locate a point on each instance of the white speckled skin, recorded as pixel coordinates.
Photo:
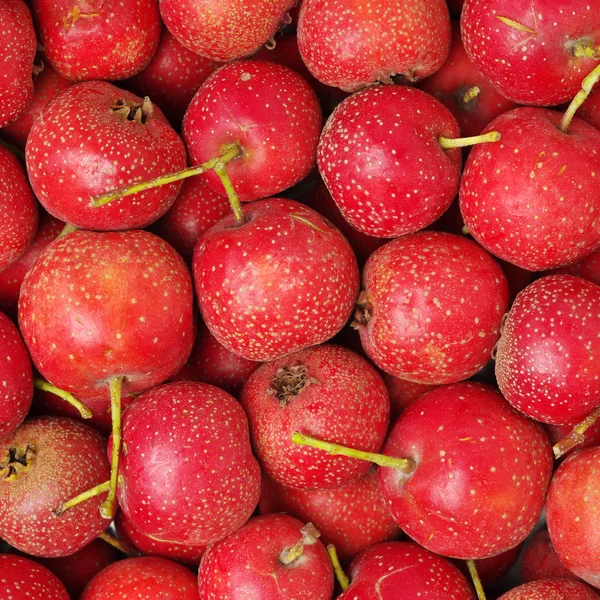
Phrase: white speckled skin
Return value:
(24, 579)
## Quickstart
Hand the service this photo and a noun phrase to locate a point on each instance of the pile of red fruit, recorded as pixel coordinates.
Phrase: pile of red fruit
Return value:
(299, 302)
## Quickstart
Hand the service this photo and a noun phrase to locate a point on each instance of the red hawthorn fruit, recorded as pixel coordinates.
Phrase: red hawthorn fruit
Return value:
(225, 31)
(94, 39)
(17, 53)
(590, 111)
(540, 560)
(347, 46)
(403, 393)
(431, 307)
(24, 579)
(94, 138)
(588, 268)
(551, 589)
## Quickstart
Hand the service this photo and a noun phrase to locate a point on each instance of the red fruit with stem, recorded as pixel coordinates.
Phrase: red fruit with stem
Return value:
(272, 276)
(384, 569)
(431, 307)
(16, 56)
(369, 151)
(212, 483)
(144, 577)
(551, 589)
(18, 210)
(95, 137)
(172, 77)
(76, 570)
(89, 340)
(532, 198)
(210, 362)
(273, 557)
(533, 52)
(464, 91)
(25, 579)
(588, 268)
(93, 40)
(47, 461)
(47, 84)
(491, 570)
(270, 112)
(346, 46)
(572, 514)
(189, 555)
(590, 437)
(197, 209)
(590, 111)
(327, 392)
(16, 378)
(352, 517)
(548, 356)
(12, 277)
(403, 393)
(479, 476)
(232, 29)
(540, 560)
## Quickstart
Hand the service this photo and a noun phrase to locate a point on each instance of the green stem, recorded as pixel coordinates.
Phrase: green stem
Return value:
(91, 493)
(68, 228)
(337, 567)
(42, 384)
(576, 436)
(231, 152)
(109, 506)
(586, 88)
(406, 465)
(234, 200)
(476, 581)
(447, 143)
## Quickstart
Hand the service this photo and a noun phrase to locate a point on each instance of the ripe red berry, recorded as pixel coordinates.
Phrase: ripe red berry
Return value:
(551, 589)
(25, 579)
(540, 560)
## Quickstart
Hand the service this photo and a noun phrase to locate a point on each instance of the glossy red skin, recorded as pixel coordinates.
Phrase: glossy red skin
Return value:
(172, 77)
(188, 555)
(540, 560)
(456, 76)
(98, 41)
(247, 564)
(352, 517)
(227, 30)
(528, 198)
(12, 277)
(382, 570)
(76, 570)
(105, 151)
(547, 359)
(271, 112)
(591, 436)
(345, 45)
(145, 577)
(67, 452)
(16, 56)
(46, 86)
(196, 210)
(145, 341)
(212, 484)
(16, 378)
(24, 579)
(349, 394)
(572, 514)
(588, 268)
(437, 301)
(210, 362)
(285, 242)
(370, 151)
(481, 476)
(18, 210)
(493, 569)
(403, 393)
(48, 404)
(548, 72)
(362, 244)
(554, 589)
(590, 111)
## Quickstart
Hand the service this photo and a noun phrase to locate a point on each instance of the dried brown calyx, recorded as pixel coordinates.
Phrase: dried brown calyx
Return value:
(16, 461)
(289, 382)
(133, 111)
(363, 311)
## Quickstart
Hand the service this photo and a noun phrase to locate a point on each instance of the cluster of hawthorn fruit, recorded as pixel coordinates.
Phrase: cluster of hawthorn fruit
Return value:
(370, 358)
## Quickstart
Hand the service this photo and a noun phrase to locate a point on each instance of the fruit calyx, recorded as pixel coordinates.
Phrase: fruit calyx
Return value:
(16, 461)
(310, 535)
(133, 111)
(290, 381)
(467, 96)
(585, 48)
(363, 311)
